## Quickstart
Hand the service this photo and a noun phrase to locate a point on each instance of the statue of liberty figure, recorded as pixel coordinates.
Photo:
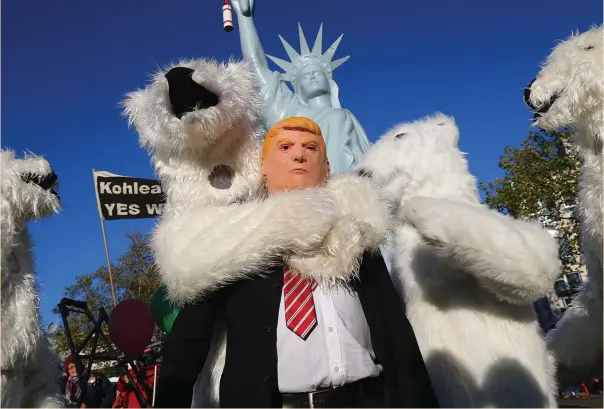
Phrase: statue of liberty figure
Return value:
(315, 93)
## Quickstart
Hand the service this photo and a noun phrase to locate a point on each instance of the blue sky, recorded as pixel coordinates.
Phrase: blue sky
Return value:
(66, 64)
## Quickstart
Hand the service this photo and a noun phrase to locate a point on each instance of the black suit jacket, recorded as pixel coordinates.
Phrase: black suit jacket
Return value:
(250, 310)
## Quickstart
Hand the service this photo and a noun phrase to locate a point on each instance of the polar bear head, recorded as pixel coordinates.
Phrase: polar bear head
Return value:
(569, 89)
(28, 192)
(28, 187)
(421, 158)
(200, 121)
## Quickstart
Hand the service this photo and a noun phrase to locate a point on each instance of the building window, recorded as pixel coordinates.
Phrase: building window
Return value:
(574, 282)
(544, 311)
(561, 288)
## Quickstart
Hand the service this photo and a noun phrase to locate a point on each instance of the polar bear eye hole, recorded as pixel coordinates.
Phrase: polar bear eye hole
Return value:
(400, 136)
(589, 48)
(441, 124)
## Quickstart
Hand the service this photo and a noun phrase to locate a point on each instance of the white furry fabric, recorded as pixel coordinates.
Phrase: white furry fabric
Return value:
(29, 376)
(208, 237)
(572, 78)
(184, 152)
(468, 275)
(364, 219)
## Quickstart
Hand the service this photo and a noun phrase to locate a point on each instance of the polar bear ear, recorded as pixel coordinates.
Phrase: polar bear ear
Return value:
(448, 129)
(399, 136)
(399, 132)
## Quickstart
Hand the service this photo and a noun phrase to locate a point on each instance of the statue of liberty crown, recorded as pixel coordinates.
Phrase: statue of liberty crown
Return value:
(307, 56)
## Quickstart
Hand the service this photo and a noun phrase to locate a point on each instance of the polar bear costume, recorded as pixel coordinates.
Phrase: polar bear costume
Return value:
(201, 122)
(569, 91)
(469, 275)
(29, 372)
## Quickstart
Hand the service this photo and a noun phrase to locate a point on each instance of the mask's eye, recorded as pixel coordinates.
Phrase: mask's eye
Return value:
(399, 136)
(589, 48)
(441, 124)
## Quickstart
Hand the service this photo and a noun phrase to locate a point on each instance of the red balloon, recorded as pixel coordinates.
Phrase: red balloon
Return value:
(131, 327)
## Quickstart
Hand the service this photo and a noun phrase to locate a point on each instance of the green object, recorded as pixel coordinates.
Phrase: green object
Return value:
(164, 312)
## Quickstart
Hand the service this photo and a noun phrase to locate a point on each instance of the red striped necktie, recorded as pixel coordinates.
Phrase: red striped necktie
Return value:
(300, 314)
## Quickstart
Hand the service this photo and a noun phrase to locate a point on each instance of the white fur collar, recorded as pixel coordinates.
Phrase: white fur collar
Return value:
(322, 232)
(364, 219)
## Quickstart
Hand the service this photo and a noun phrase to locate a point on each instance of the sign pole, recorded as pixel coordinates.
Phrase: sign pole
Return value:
(108, 262)
(105, 241)
(154, 385)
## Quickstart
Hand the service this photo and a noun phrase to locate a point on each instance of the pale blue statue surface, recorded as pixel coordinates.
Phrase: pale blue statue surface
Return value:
(315, 93)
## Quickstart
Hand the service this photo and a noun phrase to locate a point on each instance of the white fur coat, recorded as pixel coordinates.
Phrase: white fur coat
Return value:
(30, 373)
(215, 232)
(569, 91)
(469, 275)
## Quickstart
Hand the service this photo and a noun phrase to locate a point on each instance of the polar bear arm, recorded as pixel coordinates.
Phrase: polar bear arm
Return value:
(186, 351)
(8, 233)
(576, 341)
(369, 206)
(42, 377)
(516, 260)
(43, 397)
(11, 392)
(203, 248)
(20, 320)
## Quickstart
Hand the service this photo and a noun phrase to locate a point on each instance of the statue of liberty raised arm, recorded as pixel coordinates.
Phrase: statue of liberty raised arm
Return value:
(315, 93)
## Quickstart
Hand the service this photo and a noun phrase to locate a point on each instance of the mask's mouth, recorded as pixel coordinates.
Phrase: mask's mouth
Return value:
(47, 182)
(541, 110)
(545, 107)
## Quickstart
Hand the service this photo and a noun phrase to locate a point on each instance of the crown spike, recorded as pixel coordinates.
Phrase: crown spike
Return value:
(296, 58)
(317, 48)
(285, 66)
(332, 49)
(291, 53)
(303, 44)
(335, 64)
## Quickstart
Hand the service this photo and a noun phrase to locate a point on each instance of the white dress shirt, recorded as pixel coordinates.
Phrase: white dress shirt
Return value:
(337, 351)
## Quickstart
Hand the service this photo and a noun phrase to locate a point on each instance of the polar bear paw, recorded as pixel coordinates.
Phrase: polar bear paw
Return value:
(339, 256)
(368, 206)
(429, 217)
